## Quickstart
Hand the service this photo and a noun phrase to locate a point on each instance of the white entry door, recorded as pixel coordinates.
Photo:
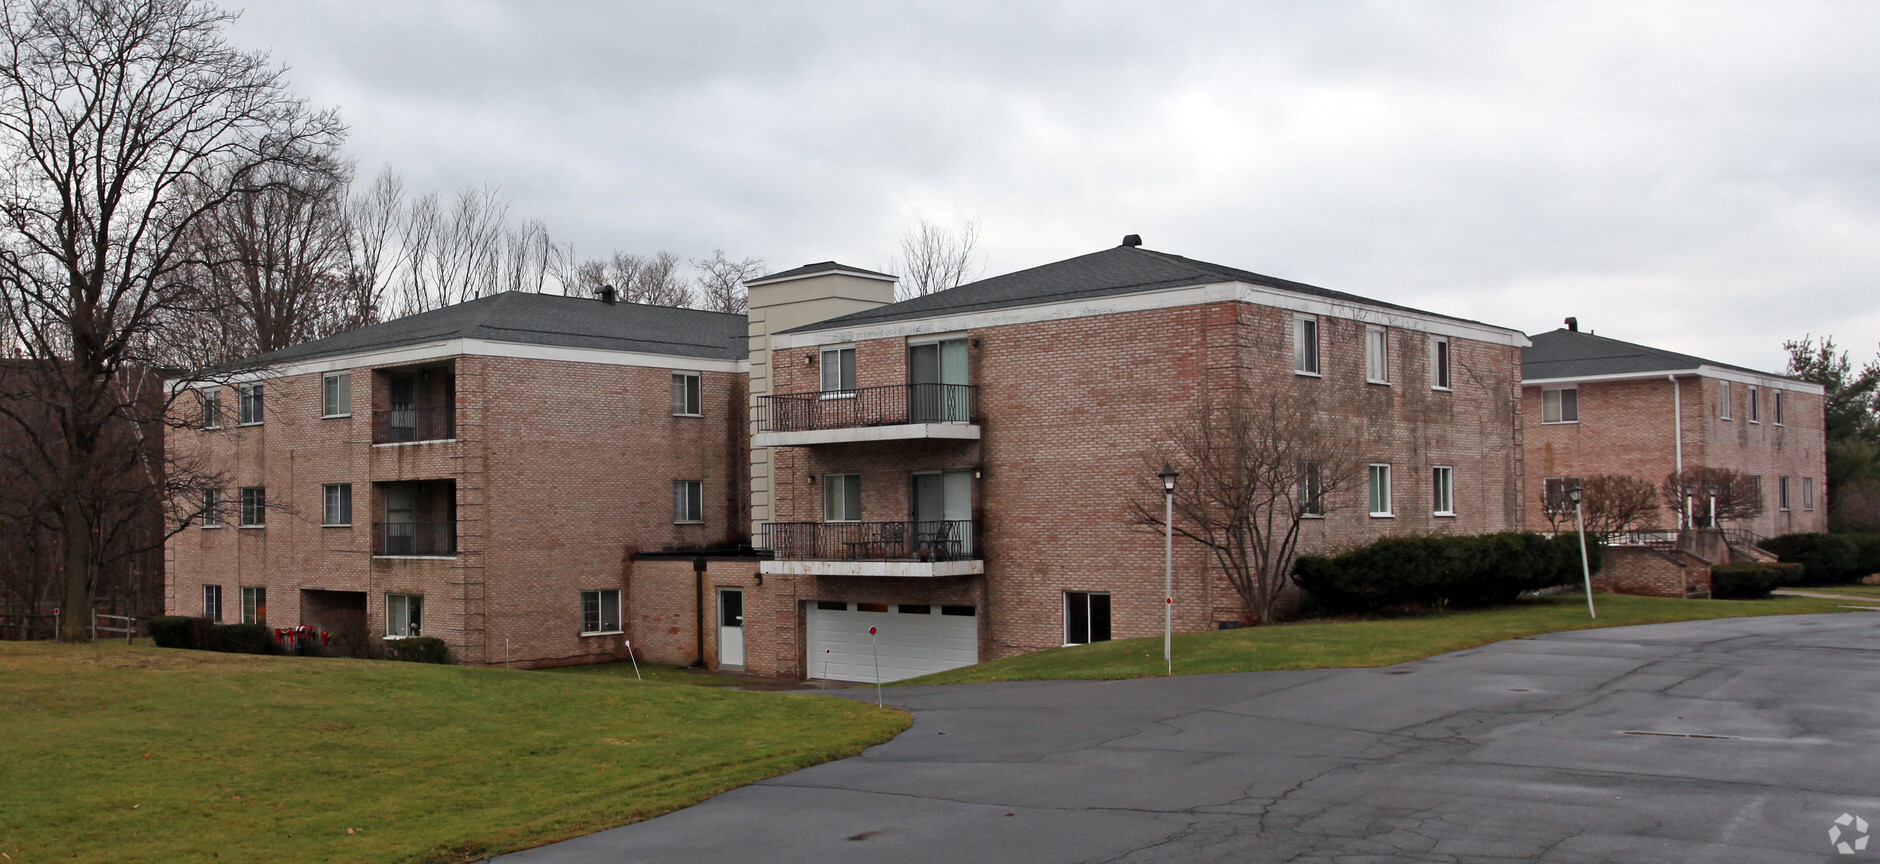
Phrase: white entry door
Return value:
(910, 640)
(731, 628)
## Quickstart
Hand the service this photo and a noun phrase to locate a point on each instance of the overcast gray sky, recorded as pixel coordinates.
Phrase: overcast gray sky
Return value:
(1699, 176)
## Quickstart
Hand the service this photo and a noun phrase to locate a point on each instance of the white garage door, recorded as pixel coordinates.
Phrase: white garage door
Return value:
(912, 640)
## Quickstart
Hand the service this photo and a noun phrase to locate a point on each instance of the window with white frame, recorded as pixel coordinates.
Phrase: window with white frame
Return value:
(254, 506)
(1311, 500)
(337, 504)
(1086, 617)
(1776, 403)
(1376, 355)
(1755, 485)
(838, 369)
(212, 408)
(688, 501)
(1723, 400)
(686, 398)
(336, 394)
(249, 400)
(212, 602)
(1808, 493)
(1380, 490)
(1755, 409)
(1306, 345)
(1443, 491)
(600, 612)
(1439, 362)
(1560, 405)
(211, 508)
(1782, 493)
(1554, 497)
(842, 497)
(254, 605)
(404, 615)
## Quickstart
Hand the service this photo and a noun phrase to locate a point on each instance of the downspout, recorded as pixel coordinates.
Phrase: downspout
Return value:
(698, 607)
(1677, 422)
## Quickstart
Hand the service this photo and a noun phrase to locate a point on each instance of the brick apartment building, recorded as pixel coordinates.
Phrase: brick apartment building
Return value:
(536, 479)
(1594, 405)
(476, 473)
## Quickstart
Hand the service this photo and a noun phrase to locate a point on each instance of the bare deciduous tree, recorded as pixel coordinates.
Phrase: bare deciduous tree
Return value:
(653, 279)
(1739, 495)
(1611, 504)
(721, 281)
(114, 116)
(1254, 465)
(934, 258)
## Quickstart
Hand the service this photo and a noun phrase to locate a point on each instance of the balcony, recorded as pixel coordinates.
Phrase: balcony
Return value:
(414, 539)
(926, 549)
(414, 423)
(893, 413)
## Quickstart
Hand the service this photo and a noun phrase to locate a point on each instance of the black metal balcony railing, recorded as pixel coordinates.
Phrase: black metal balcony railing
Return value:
(867, 406)
(416, 423)
(414, 538)
(868, 541)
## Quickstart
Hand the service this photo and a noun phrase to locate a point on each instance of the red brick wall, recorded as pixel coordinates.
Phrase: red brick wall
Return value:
(1637, 570)
(559, 469)
(1626, 427)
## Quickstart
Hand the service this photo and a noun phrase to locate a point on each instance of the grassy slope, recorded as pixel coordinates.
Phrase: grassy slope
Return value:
(1344, 643)
(149, 755)
(649, 672)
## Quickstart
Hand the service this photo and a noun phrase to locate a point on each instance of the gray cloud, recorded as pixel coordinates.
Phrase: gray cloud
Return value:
(1699, 176)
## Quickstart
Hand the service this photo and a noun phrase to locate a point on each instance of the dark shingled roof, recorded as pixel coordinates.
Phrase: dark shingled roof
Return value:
(1575, 354)
(1120, 270)
(810, 269)
(544, 319)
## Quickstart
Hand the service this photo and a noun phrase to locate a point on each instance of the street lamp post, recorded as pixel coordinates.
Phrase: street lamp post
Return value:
(1586, 569)
(1690, 515)
(1168, 475)
(1713, 504)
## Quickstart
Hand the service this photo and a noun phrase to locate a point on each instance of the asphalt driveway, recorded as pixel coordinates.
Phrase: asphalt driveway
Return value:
(1728, 741)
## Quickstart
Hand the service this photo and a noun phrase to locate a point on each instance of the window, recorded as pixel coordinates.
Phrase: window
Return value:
(1086, 617)
(254, 507)
(1560, 406)
(212, 602)
(1777, 404)
(1808, 493)
(1376, 355)
(1311, 489)
(1380, 490)
(404, 615)
(600, 612)
(212, 408)
(336, 394)
(1554, 495)
(1782, 493)
(254, 605)
(832, 606)
(685, 395)
(687, 501)
(1755, 484)
(1723, 400)
(1439, 362)
(211, 508)
(1755, 410)
(338, 507)
(1443, 490)
(842, 498)
(249, 396)
(838, 369)
(1306, 345)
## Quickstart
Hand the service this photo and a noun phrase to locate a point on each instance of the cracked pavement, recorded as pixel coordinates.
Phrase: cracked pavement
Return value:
(1716, 741)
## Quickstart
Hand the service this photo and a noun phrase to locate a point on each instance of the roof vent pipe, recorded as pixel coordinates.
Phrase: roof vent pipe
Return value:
(608, 295)
(1132, 239)
(1573, 324)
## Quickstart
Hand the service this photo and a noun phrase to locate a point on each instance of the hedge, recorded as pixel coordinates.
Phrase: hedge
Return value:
(1478, 570)
(179, 631)
(418, 649)
(243, 639)
(1750, 580)
(1828, 558)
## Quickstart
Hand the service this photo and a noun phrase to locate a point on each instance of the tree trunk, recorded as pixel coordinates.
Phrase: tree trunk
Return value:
(76, 607)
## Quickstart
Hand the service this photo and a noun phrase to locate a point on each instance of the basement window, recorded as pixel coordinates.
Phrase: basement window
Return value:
(600, 612)
(1086, 617)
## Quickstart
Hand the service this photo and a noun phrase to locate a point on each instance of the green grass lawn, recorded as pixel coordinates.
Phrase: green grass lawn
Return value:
(111, 753)
(1319, 644)
(650, 672)
(1849, 590)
